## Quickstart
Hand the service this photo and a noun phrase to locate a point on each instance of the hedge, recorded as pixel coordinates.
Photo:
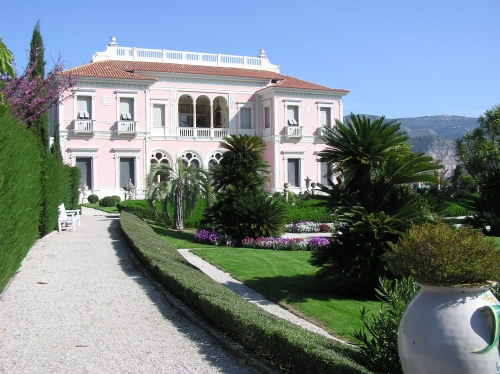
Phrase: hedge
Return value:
(59, 185)
(286, 345)
(20, 193)
(31, 189)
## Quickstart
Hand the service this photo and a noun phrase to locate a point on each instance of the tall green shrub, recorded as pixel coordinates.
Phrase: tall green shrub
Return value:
(20, 194)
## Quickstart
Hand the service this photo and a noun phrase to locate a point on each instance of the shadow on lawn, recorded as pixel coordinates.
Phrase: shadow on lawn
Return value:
(295, 289)
(176, 234)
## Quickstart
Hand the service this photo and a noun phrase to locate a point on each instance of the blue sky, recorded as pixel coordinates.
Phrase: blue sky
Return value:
(397, 58)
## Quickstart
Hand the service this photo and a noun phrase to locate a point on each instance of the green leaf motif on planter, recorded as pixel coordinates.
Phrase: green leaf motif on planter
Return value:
(493, 310)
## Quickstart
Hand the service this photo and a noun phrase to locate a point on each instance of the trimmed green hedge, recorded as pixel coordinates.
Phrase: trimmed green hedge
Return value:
(286, 345)
(59, 185)
(308, 210)
(31, 189)
(20, 194)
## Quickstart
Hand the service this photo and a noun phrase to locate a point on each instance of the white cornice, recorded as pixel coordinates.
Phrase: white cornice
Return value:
(300, 93)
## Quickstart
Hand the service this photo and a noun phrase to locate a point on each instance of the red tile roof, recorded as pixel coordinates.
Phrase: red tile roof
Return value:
(133, 69)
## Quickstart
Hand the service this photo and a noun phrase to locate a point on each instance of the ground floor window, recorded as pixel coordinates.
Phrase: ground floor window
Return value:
(326, 173)
(127, 170)
(293, 168)
(85, 166)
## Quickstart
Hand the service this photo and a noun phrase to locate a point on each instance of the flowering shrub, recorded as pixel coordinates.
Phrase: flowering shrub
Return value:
(309, 227)
(210, 237)
(283, 244)
(317, 242)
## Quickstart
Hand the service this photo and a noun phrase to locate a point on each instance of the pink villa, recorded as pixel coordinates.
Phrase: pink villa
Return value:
(135, 107)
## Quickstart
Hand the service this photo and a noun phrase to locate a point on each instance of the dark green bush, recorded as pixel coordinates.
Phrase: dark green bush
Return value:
(107, 201)
(117, 198)
(288, 346)
(20, 193)
(93, 199)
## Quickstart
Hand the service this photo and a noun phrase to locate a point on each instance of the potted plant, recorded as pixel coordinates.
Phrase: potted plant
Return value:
(451, 325)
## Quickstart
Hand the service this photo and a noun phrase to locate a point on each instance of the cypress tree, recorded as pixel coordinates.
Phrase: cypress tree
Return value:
(40, 125)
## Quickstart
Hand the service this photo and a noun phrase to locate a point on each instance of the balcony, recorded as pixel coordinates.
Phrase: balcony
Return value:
(293, 132)
(126, 128)
(201, 132)
(83, 127)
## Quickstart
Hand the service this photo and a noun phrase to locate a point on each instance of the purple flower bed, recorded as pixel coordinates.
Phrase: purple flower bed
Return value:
(286, 244)
(317, 242)
(209, 237)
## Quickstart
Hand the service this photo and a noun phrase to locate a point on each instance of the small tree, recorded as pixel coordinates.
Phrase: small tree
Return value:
(242, 209)
(182, 186)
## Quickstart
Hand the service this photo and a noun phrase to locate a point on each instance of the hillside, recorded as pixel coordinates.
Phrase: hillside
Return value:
(435, 135)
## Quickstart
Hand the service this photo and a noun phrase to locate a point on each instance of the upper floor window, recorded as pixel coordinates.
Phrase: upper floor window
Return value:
(292, 115)
(267, 117)
(245, 118)
(126, 108)
(325, 117)
(158, 115)
(84, 107)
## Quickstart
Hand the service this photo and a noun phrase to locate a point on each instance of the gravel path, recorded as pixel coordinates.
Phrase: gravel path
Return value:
(79, 305)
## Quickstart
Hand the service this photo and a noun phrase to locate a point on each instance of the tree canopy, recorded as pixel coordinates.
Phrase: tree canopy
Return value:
(479, 152)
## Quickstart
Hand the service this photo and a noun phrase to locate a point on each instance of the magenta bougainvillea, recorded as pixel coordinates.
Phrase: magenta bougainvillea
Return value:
(30, 96)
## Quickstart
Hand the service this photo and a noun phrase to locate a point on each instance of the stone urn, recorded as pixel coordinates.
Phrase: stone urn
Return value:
(447, 330)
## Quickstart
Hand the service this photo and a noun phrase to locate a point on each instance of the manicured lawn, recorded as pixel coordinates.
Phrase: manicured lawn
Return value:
(283, 276)
(496, 239)
(112, 209)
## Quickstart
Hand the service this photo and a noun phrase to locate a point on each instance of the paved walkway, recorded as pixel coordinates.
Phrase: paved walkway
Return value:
(79, 305)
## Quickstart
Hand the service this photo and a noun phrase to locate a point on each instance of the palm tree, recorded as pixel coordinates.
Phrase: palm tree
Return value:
(242, 164)
(182, 186)
(373, 203)
(355, 147)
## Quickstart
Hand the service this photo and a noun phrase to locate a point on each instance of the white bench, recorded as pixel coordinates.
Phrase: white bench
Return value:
(68, 218)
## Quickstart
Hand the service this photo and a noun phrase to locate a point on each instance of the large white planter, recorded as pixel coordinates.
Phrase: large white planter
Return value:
(450, 330)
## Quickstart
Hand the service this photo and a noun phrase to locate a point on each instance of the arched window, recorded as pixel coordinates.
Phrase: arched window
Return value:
(214, 159)
(190, 158)
(159, 157)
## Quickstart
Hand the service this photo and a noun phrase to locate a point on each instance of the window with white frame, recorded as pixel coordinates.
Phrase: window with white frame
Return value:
(83, 107)
(84, 159)
(190, 158)
(85, 166)
(126, 109)
(325, 117)
(326, 173)
(245, 118)
(292, 115)
(214, 159)
(293, 168)
(267, 117)
(127, 170)
(159, 115)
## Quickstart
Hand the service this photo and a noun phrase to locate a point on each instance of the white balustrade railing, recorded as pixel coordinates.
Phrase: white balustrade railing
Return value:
(86, 125)
(293, 131)
(201, 132)
(115, 52)
(249, 132)
(127, 126)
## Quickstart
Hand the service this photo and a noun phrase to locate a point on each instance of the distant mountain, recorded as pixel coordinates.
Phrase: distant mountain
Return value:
(435, 135)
